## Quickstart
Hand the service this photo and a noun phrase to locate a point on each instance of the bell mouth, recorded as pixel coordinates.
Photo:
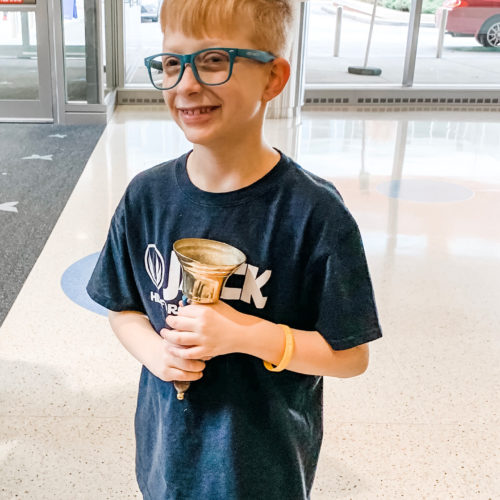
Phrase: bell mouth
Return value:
(209, 255)
(206, 265)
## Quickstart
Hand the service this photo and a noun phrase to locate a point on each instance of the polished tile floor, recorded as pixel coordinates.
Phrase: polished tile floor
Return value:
(421, 423)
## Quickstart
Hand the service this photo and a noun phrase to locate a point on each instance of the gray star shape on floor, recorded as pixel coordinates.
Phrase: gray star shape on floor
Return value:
(9, 206)
(38, 157)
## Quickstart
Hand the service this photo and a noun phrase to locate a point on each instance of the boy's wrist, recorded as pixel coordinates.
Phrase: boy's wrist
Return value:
(263, 339)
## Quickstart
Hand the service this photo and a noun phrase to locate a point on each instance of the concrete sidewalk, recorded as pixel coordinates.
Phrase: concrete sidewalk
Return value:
(428, 71)
(362, 11)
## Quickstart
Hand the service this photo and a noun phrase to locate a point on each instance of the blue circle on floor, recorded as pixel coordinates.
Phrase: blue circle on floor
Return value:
(425, 191)
(74, 282)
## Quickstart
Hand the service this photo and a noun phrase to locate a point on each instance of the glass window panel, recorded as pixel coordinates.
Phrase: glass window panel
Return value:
(469, 55)
(18, 56)
(142, 37)
(387, 49)
(80, 51)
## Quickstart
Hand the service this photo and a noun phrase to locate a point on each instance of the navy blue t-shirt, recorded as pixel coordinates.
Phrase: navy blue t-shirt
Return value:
(242, 432)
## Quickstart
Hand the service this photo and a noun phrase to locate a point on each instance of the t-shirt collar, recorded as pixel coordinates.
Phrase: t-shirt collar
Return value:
(230, 198)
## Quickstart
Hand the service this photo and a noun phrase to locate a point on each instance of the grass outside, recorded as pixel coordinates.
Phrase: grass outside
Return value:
(428, 6)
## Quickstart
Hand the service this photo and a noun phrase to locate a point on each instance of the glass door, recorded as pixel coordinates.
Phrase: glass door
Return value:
(25, 79)
(83, 66)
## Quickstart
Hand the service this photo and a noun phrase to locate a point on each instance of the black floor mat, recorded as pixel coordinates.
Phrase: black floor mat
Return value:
(39, 167)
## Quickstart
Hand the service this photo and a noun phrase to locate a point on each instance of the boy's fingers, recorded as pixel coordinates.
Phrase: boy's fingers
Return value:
(188, 365)
(167, 335)
(186, 324)
(180, 338)
(189, 353)
(185, 376)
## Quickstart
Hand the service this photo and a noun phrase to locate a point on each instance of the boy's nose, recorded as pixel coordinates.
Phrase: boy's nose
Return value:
(188, 81)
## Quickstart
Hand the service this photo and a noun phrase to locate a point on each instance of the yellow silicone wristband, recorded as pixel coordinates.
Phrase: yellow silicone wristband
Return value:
(287, 354)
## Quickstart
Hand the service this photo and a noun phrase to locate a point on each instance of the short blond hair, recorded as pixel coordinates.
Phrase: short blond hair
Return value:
(271, 19)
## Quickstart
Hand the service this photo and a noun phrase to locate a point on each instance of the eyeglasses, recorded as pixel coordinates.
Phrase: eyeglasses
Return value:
(212, 66)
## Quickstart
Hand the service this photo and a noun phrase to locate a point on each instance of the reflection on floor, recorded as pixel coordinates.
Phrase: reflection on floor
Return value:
(421, 423)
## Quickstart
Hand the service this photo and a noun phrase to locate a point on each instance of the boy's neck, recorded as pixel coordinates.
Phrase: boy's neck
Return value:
(230, 167)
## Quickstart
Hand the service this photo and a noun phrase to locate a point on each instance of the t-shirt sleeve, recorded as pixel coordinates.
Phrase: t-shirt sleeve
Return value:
(112, 283)
(345, 310)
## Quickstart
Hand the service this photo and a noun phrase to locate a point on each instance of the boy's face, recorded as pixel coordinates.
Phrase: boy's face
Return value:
(217, 115)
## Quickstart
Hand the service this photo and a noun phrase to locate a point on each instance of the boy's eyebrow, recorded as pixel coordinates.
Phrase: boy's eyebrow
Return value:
(184, 52)
(204, 44)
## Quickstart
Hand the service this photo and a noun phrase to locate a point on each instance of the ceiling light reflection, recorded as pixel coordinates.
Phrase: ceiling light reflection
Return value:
(378, 242)
(474, 247)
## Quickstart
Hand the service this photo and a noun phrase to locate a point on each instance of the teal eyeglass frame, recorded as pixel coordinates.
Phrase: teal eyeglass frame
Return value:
(256, 55)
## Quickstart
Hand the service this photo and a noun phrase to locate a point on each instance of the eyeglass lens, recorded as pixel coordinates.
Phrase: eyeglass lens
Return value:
(213, 68)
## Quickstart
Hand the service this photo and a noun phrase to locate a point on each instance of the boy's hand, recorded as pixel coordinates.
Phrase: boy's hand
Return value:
(169, 367)
(138, 336)
(202, 331)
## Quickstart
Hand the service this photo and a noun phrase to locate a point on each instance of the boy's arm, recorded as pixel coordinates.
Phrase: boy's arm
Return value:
(136, 334)
(215, 329)
(312, 354)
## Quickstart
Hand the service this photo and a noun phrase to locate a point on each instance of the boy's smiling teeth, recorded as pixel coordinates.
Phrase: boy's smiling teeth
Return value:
(197, 111)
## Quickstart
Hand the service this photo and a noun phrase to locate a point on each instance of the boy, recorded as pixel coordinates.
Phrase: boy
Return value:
(243, 431)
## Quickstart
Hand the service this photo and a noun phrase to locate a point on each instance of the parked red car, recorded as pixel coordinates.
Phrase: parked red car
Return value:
(478, 18)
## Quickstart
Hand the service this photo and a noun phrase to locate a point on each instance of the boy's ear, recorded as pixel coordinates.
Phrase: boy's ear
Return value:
(278, 76)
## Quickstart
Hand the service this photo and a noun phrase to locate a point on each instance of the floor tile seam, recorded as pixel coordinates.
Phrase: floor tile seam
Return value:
(378, 423)
(25, 416)
(443, 425)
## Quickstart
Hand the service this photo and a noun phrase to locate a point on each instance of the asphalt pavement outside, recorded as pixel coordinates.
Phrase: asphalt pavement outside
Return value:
(463, 60)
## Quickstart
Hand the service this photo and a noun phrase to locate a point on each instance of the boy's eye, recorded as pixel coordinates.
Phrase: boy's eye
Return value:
(171, 62)
(212, 59)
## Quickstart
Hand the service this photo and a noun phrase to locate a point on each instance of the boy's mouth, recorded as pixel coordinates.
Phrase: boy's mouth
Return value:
(201, 110)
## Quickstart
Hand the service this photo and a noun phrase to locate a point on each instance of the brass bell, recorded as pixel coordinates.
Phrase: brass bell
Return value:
(206, 265)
